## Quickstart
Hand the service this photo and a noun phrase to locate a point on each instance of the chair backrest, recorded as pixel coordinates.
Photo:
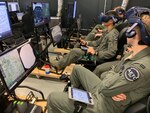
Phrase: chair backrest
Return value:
(122, 39)
(139, 107)
(56, 34)
(28, 25)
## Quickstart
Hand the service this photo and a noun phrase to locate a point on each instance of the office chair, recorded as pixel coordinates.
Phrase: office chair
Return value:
(56, 34)
(142, 106)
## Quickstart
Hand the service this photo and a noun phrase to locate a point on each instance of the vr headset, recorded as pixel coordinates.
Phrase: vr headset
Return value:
(120, 11)
(106, 18)
(136, 11)
(136, 21)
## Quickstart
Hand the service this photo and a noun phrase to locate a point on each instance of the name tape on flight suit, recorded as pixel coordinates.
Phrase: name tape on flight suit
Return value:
(131, 74)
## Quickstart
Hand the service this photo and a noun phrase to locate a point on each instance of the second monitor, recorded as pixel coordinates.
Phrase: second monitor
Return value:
(41, 13)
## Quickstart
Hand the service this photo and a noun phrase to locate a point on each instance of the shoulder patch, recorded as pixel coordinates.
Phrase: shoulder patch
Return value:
(131, 74)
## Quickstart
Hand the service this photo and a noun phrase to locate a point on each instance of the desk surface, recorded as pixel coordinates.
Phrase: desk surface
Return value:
(38, 72)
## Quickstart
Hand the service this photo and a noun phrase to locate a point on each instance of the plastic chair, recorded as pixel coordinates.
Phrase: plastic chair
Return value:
(56, 34)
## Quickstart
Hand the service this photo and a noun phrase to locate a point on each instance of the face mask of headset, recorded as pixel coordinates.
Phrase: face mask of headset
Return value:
(104, 18)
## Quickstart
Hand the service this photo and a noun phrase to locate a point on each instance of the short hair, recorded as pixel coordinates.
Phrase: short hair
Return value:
(146, 21)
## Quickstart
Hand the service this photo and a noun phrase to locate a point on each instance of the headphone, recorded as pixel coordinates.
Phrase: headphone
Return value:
(135, 21)
(136, 11)
(114, 19)
(130, 31)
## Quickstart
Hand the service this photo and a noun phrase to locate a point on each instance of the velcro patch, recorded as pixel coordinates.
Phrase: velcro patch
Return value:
(131, 74)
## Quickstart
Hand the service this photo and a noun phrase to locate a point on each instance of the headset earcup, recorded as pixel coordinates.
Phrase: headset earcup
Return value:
(130, 34)
(114, 19)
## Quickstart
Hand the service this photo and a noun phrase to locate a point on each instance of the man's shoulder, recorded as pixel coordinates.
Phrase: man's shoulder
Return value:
(113, 33)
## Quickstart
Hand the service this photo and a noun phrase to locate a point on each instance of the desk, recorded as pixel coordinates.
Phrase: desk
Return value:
(39, 73)
(61, 50)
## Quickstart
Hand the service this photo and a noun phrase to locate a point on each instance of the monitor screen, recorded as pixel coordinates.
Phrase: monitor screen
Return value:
(20, 15)
(5, 29)
(16, 64)
(41, 13)
(74, 9)
(13, 6)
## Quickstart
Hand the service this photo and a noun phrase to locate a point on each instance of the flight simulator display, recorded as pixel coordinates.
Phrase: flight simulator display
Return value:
(13, 6)
(16, 64)
(41, 13)
(5, 29)
(20, 15)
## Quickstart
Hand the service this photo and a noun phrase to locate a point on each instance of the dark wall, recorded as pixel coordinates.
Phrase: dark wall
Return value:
(145, 3)
(89, 9)
(116, 3)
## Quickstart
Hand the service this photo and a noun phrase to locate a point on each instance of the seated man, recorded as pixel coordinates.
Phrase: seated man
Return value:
(109, 65)
(102, 49)
(122, 86)
(121, 14)
(91, 36)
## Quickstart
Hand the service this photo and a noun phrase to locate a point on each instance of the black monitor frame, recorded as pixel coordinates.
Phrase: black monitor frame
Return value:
(9, 25)
(45, 20)
(13, 10)
(24, 75)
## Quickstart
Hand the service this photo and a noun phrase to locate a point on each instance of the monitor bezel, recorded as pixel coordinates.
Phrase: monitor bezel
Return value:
(11, 33)
(25, 74)
(41, 23)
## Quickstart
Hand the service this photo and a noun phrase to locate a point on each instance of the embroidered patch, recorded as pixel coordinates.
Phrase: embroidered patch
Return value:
(131, 74)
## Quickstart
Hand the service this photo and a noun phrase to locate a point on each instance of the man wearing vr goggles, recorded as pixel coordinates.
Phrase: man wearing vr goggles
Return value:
(103, 49)
(132, 15)
(125, 84)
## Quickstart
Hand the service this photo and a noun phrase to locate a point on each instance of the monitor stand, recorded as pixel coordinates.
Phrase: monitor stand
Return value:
(18, 106)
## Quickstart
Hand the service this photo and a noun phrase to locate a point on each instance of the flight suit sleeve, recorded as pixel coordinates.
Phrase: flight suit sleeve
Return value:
(133, 77)
(111, 50)
(95, 43)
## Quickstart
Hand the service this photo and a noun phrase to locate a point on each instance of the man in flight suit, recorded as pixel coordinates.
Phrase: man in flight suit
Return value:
(122, 86)
(102, 49)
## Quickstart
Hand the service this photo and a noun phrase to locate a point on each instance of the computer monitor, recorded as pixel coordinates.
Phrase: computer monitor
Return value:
(13, 6)
(5, 29)
(74, 9)
(16, 64)
(20, 15)
(41, 13)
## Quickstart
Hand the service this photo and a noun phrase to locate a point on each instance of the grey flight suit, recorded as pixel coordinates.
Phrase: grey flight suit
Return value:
(130, 76)
(104, 67)
(106, 47)
(91, 35)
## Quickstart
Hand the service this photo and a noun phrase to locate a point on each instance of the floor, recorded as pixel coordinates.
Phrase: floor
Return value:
(46, 85)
